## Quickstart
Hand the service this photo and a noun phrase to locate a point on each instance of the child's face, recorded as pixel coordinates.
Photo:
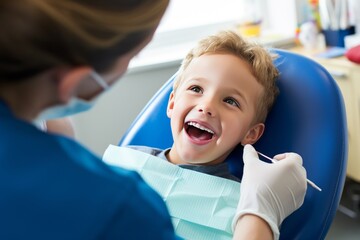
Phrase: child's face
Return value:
(213, 110)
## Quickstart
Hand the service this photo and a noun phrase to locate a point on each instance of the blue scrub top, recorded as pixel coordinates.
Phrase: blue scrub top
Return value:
(53, 188)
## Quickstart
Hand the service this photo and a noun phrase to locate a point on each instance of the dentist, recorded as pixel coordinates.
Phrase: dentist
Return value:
(56, 58)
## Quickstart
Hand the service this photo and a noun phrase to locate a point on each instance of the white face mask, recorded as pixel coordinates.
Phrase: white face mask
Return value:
(76, 105)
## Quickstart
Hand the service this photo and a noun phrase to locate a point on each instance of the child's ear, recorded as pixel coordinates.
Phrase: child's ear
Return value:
(253, 134)
(170, 105)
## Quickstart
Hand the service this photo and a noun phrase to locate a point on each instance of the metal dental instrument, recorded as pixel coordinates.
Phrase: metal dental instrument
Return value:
(273, 160)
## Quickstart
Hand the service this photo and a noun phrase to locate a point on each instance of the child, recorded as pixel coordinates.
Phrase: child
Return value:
(221, 97)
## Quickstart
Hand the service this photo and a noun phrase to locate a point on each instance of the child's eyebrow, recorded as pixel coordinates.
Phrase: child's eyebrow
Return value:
(194, 80)
(239, 93)
(197, 79)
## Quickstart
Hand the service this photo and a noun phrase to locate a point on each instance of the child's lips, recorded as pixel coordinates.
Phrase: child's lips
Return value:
(200, 127)
(199, 133)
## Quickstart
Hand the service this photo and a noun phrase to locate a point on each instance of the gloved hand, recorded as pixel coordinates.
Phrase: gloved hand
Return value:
(271, 191)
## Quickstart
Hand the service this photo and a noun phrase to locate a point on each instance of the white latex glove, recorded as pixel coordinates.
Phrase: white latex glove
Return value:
(271, 191)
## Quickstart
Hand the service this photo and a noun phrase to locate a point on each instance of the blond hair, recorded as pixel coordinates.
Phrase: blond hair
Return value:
(258, 57)
(41, 34)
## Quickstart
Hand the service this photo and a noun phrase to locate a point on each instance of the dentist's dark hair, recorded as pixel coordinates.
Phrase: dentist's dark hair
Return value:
(41, 34)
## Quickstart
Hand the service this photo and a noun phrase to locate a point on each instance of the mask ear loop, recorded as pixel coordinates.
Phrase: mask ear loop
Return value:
(99, 80)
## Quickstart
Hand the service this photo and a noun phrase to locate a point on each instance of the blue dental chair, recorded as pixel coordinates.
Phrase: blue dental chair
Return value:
(308, 118)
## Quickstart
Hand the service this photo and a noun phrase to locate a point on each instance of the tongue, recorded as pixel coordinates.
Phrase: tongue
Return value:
(199, 134)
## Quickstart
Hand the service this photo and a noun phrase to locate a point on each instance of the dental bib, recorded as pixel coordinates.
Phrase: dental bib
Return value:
(202, 206)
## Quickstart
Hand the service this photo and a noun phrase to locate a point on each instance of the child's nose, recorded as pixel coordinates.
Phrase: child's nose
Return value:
(207, 108)
(205, 111)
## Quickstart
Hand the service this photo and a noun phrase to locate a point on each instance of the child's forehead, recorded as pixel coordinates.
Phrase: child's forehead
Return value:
(217, 62)
(218, 65)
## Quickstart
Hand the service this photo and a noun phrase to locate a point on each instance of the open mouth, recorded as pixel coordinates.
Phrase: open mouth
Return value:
(199, 132)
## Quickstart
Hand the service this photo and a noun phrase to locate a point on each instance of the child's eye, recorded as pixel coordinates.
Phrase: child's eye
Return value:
(232, 102)
(196, 89)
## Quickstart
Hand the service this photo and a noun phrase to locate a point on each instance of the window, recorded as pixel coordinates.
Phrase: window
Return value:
(189, 13)
(187, 21)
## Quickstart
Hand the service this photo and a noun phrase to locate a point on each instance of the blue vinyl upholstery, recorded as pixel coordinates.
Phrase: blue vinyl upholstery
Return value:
(308, 118)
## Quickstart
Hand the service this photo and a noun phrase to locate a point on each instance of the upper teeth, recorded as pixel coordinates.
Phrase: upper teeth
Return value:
(200, 127)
